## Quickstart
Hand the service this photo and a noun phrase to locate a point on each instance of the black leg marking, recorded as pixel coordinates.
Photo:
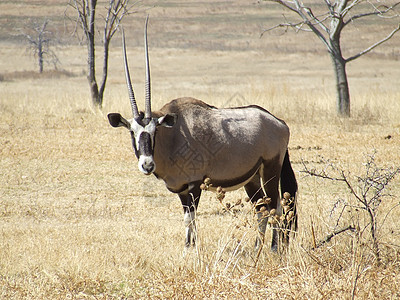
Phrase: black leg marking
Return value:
(255, 192)
(190, 201)
(270, 178)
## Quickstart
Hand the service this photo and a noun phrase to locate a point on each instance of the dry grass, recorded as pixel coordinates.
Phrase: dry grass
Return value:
(78, 220)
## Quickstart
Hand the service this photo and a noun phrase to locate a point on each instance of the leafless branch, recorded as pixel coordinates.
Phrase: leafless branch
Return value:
(377, 11)
(321, 174)
(328, 238)
(349, 7)
(82, 12)
(369, 49)
(285, 4)
(296, 26)
(309, 19)
(116, 11)
(329, 6)
(388, 213)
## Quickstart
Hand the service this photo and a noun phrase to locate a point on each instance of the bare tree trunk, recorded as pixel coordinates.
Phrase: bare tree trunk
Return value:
(105, 68)
(342, 84)
(92, 72)
(342, 88)
(40, 46)
(94, 90)
(40, 55)
(339, 64)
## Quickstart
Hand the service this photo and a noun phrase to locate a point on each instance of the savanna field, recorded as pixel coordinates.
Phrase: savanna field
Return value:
(79, 221)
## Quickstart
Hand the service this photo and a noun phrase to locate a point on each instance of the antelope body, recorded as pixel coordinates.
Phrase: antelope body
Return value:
(188, 140)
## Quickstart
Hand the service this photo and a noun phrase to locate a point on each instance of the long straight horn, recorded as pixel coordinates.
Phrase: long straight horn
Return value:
(135, 110)
(147, 112)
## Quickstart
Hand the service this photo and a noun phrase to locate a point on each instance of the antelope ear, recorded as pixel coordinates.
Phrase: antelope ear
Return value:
(116, 120)
(168, 120)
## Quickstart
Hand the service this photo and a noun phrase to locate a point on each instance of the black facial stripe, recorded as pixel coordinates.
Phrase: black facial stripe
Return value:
(134, 144)
(145, 144)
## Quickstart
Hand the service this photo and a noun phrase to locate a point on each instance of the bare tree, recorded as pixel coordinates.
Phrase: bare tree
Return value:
(40, 44)
(368, 190)
(86, 12)
(328, 25)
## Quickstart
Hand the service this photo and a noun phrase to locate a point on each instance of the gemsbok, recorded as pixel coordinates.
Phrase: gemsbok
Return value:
(187, 141)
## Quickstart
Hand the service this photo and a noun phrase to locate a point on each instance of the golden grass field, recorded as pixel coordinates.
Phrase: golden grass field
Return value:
(79, 221)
